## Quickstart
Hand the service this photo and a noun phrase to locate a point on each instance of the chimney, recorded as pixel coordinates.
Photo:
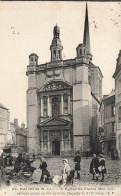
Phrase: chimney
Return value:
(23, 125)
(16, 122)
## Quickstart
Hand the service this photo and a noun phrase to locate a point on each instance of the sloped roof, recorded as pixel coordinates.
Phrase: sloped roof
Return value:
(32, 54)
(2, 106)
(91, 65)
(56, 42)
(110, 95)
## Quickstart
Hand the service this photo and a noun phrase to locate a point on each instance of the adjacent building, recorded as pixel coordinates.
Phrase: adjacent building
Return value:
(63, 99)
(117, 77)
(11, 135)
(17, 137)
(21, 139)
(107, 132)
(4, 126)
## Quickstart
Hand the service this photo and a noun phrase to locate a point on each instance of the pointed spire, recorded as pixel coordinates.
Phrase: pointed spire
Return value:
(86, 38)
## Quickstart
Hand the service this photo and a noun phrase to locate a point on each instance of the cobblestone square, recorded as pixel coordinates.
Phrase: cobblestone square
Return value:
(55, 165)
(113, 175)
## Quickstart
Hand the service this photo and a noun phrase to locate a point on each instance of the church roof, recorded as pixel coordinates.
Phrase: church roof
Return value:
(91, 64)
(32, 54)
(2, 106)
(80, 45)
(56, 28)
(56, 42)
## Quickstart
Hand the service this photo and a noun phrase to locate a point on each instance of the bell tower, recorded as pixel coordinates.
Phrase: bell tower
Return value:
(56, 46)
(81, 50)
(33, 59)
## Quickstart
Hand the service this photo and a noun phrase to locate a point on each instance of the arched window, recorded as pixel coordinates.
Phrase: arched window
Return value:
(59, 54)
(45, 139)
(55, 107)
(81, 51)
(57, 35)
(113, 111)
(66, 134)
(45, 136)
(44, 106)
(65, 99)
(54, 53)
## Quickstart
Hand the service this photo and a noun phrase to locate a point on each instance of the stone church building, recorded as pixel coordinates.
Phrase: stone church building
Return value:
(63, 98)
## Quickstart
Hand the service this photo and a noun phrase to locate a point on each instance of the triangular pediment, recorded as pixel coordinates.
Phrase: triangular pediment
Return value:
(54, 122)
(55, 85)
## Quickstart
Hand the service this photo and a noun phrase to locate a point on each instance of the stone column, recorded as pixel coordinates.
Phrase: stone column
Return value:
(56, 54)
(41, 106)
(41, 141)
(62, 142)
(69, 144)
(68, 104)
(48, 138)
(51, 55)
(60, 54)
(49, 106)
(62, 104)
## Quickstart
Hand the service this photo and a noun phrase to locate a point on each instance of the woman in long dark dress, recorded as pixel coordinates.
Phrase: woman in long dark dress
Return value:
(94, 167)
(45, 172)
(18, 161)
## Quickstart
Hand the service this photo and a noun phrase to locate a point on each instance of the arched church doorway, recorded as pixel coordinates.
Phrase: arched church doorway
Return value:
(55, 147)
(55, 107)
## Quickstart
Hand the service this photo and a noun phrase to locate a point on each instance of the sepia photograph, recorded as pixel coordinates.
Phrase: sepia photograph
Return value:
(60, 98)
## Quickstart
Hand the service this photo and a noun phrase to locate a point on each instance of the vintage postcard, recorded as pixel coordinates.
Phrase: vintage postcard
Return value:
(60, 98)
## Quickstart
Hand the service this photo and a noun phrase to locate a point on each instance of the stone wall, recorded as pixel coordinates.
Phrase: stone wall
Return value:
(117, 106)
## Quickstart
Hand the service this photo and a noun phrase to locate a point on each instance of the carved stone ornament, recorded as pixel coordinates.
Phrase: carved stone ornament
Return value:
(56, 85)
(55, 122)
(49, 74)
(57, 72)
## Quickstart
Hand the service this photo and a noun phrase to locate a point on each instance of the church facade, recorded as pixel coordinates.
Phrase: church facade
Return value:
(63, 98)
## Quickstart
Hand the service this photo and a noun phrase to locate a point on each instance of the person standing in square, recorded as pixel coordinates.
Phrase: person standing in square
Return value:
(94, 167)
(77, 160)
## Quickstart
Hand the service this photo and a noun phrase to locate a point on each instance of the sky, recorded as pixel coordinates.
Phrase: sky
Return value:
(27, 27)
